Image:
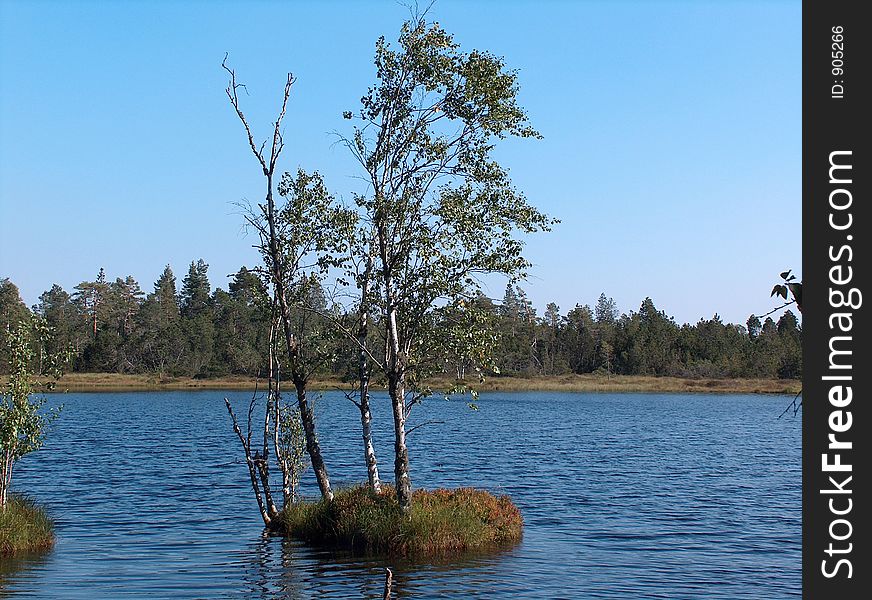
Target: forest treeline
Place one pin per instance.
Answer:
(190, 330)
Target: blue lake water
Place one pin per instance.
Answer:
(623, 496)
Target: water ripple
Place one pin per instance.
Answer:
(623, 495)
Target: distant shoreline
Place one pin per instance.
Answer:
(118, 382)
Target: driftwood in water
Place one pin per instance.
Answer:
(389, 580)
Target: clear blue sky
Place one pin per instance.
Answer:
(672, 148)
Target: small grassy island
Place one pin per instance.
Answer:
(24, 527)
(440, 523)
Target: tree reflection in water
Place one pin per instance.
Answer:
(290, 569)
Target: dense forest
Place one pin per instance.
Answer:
(114, 326)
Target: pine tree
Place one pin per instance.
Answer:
(166, 297)
(195, 290)
(606, 311)
(56, 307)
(90, 298)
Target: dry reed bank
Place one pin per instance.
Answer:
(118, 382)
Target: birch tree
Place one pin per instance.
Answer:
(357, 268)
(443, 211)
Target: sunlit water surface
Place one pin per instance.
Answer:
(623, 496)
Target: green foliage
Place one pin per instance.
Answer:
(292, 445)
(425, 139)
(12, 312)
(59, 312)
(460, 338)
(157, 342)
(790, 286)
(24, 527)
(484, 338)
(90, 298)
(196, 291)
(310, 234)
(241, 325)
(440, 210)
(643, 342)
(754, 326)
(606, 310)
(441, 522)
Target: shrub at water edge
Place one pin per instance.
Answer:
(24, 527)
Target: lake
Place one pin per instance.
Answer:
(623, 496)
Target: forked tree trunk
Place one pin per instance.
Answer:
(292, 345)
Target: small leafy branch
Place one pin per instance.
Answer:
(292, 448)
(793, 288)
(789, 286)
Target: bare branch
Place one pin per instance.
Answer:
(419, 425)
(249, 461)
(350, 396)
(793, 405)
(776, 309)
(234, 100)
(278, 142)
(344, 330)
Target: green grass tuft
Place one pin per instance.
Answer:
(441, 523)
(24, 527)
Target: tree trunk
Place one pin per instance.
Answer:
(397, 390)
(287, 480)
(368, 449)
(395, 368)
(5, 479)
(263, 467)
(312, 445)
(292, 345)
(363, 375)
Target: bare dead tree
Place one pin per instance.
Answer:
(279, 272)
